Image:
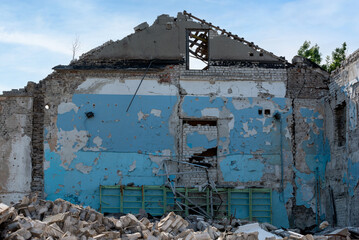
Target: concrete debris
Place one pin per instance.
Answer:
(323, 225)
(59, 219)
(254, 227)
(5, 213)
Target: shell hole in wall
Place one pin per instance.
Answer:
(260, 111)
(266, 111)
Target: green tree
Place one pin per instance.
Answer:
(331, 63)
(338, 56)
(311, 53)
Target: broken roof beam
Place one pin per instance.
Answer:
(229, 34)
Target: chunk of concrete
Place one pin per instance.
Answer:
(141, 27)
(254, 227)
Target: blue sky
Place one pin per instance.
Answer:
(38, 35)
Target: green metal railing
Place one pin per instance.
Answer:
(251, 203)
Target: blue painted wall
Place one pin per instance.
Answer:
(129, 139)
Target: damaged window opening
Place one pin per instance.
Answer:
(340, 124)
(267, 111)
(199, 158)
(197, 54)
(207, 155)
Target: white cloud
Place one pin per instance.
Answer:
(38, 40)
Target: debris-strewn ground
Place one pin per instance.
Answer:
(33, 218)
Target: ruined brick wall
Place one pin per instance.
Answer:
(306, 86)
(342, 175)
(250, 124)
(37, 155)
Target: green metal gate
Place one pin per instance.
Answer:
(251, 203)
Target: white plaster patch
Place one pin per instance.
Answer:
(231, 122)
(132, 166)
(126, 87)
(69, 143)
(19, 179)
(46, 165)
(267, 129)
(210, 112)
(19, 160)
(98, 141)
(83, 168)
(275, 88)
(268, 143)
(287, 134)
(164, 154)
(141, 115)
(263, 120)
(350, 86)
(156, 112)
(66, 107)
(240, 104)
(248, 132)
(239, 88)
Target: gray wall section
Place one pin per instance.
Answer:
(15, 147)
(166, 39)
(342, 174)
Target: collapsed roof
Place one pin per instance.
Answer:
(173, 40)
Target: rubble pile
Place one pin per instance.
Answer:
(33, 218)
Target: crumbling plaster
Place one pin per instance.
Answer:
(15, 147)
(342, 176)
(116, 147)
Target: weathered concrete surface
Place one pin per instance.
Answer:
(166, 40)
(342, 175)
(254, 146)
(15, 147)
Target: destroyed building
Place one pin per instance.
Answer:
(132, 125)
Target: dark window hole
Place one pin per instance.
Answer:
(200, 122)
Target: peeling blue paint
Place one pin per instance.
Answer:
(241, 168)
(108, 168)
(196, 139)
(119, 143)
(279, 199)
(305, 194)
(316, 148)
(121, 131)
